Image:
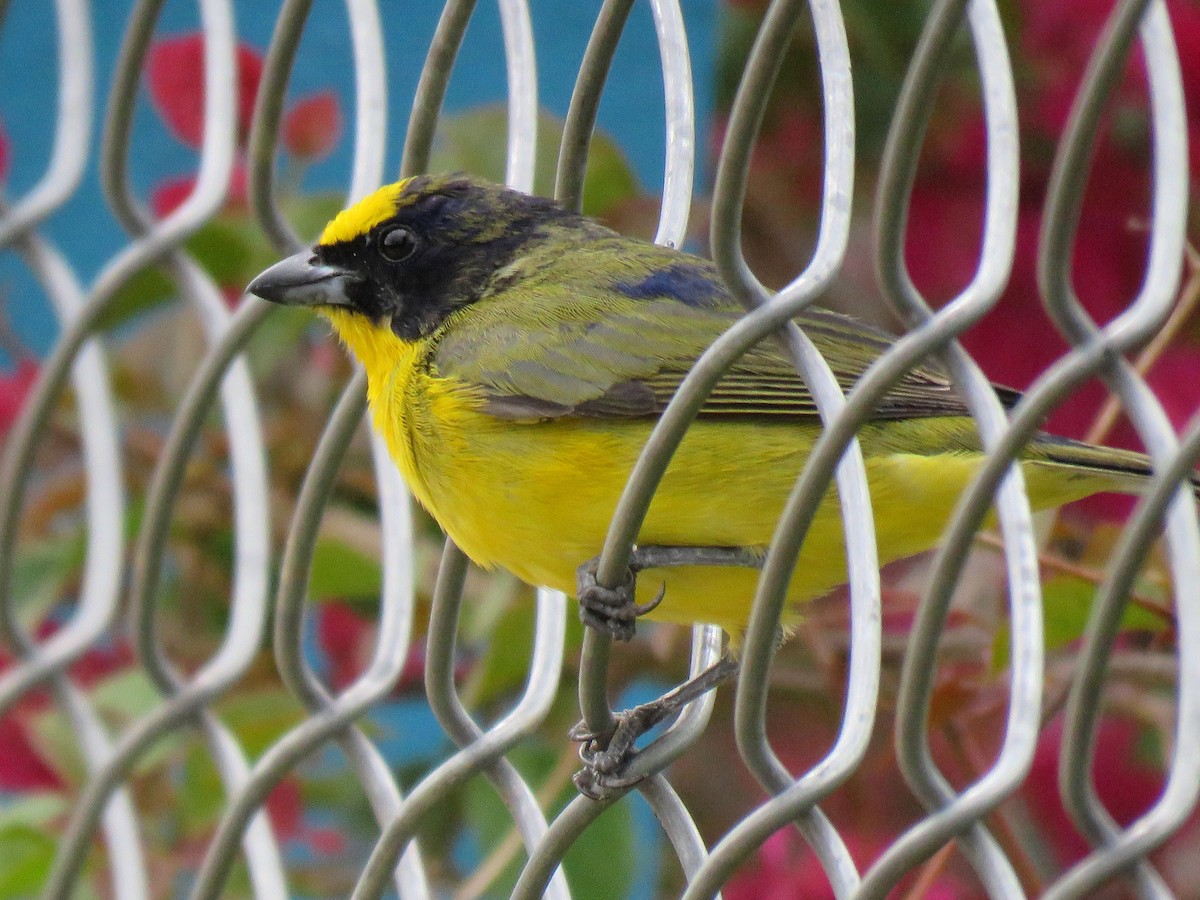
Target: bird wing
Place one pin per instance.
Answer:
(585, 345)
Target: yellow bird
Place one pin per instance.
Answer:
(517, 356)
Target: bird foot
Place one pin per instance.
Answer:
(613, 611)
(607, 753)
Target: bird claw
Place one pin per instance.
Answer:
(613, 611)
(599, 787)
(581, 734)
(606, 754)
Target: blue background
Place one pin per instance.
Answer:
(631, 110)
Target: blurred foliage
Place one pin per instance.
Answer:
(231, 248)
(1049, 44)
(608, 183)
(320, 811)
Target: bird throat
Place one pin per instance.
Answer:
(373, 344)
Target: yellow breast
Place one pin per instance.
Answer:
(536, 498)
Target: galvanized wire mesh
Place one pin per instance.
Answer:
(223, 381)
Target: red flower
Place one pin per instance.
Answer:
(1126, 784)
(175, 74)
(4, 155)
(326, 841)
(345, 637)
(14, 385)
(785, 869)
(781, 869)
(312, 127)
(21, 768)
(169, 195)
(1016, 341)
(1173, 378)
(285, 807)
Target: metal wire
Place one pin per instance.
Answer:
(248, 602)
(224, 381)
(331, 716)
(105, 503)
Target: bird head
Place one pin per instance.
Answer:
(404, 258)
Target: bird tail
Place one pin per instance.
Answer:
(1127, 471)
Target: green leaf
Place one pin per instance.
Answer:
(127, 695)
(231, 248)
(1068, 603)
(122, 697)
(56, 743)
(25, 857)
(488, 818)
(476, 141)
(258, 718)
(608, 181)
(310, 214)
(33, 810)
(200, 794)
(738, 28)
(277, 341)
(340, 571)
(342, 792)
(502, 620)
(42, 570)
(505, 663)
(600, 864)
(145, 291)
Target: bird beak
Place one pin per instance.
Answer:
(301, 281)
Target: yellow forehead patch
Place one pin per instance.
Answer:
(357, 220)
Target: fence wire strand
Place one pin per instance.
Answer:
(223, 382)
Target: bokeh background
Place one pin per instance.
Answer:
(155, 346)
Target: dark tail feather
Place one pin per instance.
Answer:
(1128, 468)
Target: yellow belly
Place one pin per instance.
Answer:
(536, 498)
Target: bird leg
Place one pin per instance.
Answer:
(605, 754)
(614, 611)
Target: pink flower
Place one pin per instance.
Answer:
(326, 841)
(167, 196)
(1127, 785)
(14, 386)
(1016, 341)
(313, 125)
(175, 75)
(21, 767)
(344, 635)
(285, 807)
(785, 868)
(4, 155)
(781, 869)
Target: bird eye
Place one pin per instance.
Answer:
(397, 244)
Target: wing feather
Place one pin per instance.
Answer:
(575, 341)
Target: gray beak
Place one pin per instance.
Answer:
(301, 281)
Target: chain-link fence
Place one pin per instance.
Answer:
(119, 587)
